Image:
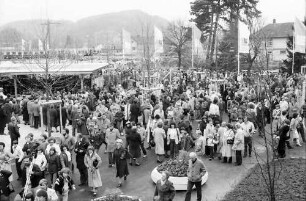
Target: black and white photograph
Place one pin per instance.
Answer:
(152, 100)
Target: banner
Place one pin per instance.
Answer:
(196, 42)
(40, 45)
(299, 36)
(23, 42)
(126, 42)
(244, 34)
(158, 41)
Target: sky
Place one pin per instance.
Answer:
(12, 10)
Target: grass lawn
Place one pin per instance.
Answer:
(290, 186)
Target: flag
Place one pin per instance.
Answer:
(126, 42)
(158, 41)
(40, 45)
(197, 46)
(244, 35)
(23, 45)
(299, 36)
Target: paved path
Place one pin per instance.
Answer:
(222, 177)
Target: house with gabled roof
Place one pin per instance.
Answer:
(277, 35)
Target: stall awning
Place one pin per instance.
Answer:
(10, 68)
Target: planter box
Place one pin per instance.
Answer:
(116, 198)
(179, 183)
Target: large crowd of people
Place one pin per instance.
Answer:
(214, 119)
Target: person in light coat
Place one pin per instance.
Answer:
(221, 132)
(110, 138)
(93, 161)
(159, 134)
(227, 148)
(214, 108)
(200, 143)
(238, 145)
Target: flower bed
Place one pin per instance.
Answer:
(117, 198)
(178, 173)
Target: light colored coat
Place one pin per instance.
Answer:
(159, 135)
(94, 178)
(227, 148)
(110, 139)
(239, 140)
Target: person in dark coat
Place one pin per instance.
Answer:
(13, 130)
(82, 127)
(80, 150)
(44, 116)
(164, 190)
(7, 109)
(2, 120)
(54, 165)
(24, 109)
(120, 157)
(4, 183)
(37, 174)
(64, 116)
(283, 136)
(135, 111)
(134, 143)
(53, 118)
(260, 119)
(59, 185)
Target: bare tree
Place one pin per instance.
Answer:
(178, 35)
(147, 39)
(269, 165)
(50, 65)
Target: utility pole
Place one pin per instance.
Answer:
(48, 34)
(47, 84)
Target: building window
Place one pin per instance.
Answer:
(270, 43)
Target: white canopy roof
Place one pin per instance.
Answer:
(10, 68)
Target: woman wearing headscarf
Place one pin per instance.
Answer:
(120, 158)
(93, 161)
(159, 135)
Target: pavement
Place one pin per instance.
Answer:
(222, 177)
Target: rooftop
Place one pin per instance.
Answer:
(278, 30)
(10, 68)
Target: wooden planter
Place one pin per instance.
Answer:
(180, 183)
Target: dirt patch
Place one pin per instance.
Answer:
(290, 185)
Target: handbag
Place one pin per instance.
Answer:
(230, 141)
(152, 143)
(95, 163)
